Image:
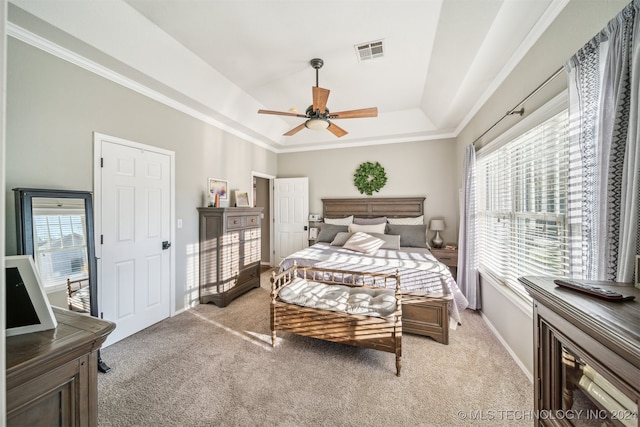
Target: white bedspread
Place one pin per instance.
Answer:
(420, 272)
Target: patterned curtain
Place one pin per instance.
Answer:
(468, 278)
(604, 87)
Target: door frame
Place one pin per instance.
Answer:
(97, 204)
(271, 235)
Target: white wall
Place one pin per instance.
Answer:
(53, 108)
(413, 169)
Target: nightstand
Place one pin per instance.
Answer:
(448, 257)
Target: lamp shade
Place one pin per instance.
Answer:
(436, 225)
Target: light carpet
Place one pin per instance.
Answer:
(212, 366)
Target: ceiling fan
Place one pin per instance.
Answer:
(318, 115)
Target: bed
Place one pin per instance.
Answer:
(432, 301)
(325, 304)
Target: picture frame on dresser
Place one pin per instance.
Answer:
(27, 306)
(219, 187)
(242, 199)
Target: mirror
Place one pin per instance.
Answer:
(56, 228)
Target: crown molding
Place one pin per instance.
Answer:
(28, 37)
(19, 33)
(541, 26)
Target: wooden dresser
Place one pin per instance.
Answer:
(230, 252)
(52, 375)
(583, 346)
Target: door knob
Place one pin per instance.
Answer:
(166, 245)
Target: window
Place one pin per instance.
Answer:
(60, 245)
(522, 193)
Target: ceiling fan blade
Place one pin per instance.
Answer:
(280, 113)
(355, 114)
(320, 97)
(294, 130)
(336, 130)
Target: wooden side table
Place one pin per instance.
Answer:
(448, 257)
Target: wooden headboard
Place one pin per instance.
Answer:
(370, 207)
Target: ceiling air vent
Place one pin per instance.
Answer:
(370, 50)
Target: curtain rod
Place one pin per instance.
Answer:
(520, 111)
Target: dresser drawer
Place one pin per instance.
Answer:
(251, 221)
(447, 257)
(249, 273)
(235, 222)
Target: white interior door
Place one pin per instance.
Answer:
(291, 216)
(135, 274)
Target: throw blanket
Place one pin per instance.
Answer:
(420, 272)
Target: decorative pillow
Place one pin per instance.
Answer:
(328, 232)
(390, 241)
(339, 221)
(371, 228)
(341, 238)
(368, 221)
(416, 220)
(363, 242)
(413, 236)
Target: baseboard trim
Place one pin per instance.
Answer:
(523, 368)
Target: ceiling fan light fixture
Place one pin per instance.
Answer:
(317, 124)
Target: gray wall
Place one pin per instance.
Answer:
(577, 24)
(53, 108)
(424, 168)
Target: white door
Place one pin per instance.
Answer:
(291, 216)
(135, 224)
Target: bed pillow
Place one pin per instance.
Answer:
(369, 221)
(328, 232)
(370, 228)
(390, 241)
(412, 236)
(339, 221)
(416, 220)
(341, 238)
(364, 243)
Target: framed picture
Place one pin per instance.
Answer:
(242, 198)
(219, 187)
(27, 306)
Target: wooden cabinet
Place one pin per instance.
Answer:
(448, 257)
(586, 355)
(52, 375)
(230, 253)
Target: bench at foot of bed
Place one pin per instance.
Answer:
(354, 324)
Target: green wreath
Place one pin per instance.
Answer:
(369, 177)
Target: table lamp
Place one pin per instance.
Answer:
(437, 225)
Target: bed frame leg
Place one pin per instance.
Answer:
(398, 365)
(273, 338)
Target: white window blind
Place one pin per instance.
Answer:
(60, 245)
(522, 191)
